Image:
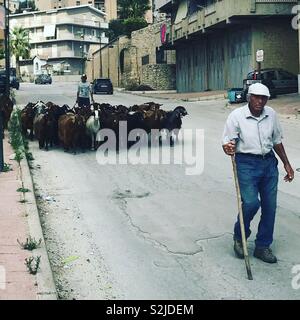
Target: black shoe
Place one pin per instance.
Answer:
(238, 248)
(265, 254)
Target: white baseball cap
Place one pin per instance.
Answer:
(259, 89)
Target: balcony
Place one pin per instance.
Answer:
(36, 21)
(221, 12)
(66, 36)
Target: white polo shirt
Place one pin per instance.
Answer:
(256, 135)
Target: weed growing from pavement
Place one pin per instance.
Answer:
(24, 190)
(16, 139)
(30, 244)
(29, 156)
(6, 167)
(33, 264)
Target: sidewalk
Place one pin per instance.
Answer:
(185, 96)
(15, 281)
(288, 104)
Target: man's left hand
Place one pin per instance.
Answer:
(290, 173)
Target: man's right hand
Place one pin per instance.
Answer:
(229, 148)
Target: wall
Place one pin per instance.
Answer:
(159, 77)
(221, 60)
(214, 62)
(280, 44)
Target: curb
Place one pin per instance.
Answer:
(149, 95)
(45, 281)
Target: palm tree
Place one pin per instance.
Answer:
(19, 45)
(133, 8)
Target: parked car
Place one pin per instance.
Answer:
(102, 85)
(43, 79)
(277, 80)
(14, 82)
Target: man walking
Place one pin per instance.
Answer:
(84, 92)
(251, 133)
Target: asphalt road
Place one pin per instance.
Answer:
(151, 231)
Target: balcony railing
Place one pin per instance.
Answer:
(34, 22)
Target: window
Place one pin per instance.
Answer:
(160, 56)
(270, 75)
(284, 75)
(145, 60)
(77, 3)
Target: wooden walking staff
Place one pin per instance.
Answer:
(241, 219)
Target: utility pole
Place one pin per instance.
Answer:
(7, 66)
(6, 40)
(100, 53)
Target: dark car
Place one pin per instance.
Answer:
(43, 79)
(277, 80)
(102, 85)
(14, 82)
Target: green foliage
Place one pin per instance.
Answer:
(133, 24)
(33, 264)
(23, 190)
(6, 167)
(133, 8)
(19, 45)
(30, 244)
(16, 139)
(116, 29)
(29, 156)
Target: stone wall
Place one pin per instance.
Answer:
(159, 76)
(122, 61)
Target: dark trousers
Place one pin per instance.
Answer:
(258, 179)
(83, 102)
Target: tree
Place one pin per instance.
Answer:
(19, 46)
(28, 5)
(133, 8)
(133, 24)
(116, 29)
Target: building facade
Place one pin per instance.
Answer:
(216, 41)
(13, 5)
(64, 35)
(107, 6)
(135, 61)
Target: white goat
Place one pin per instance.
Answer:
(92, 127)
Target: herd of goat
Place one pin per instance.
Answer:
(76, 127)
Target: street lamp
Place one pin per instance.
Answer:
(82, 53)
